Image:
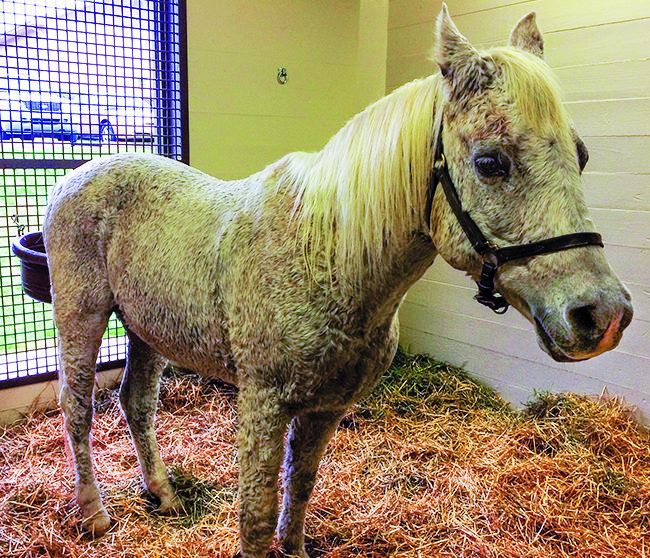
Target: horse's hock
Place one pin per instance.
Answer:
(34, 273)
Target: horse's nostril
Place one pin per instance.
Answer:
(584, 320)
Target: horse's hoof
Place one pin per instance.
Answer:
(172, 506)
(97, 524)
(272, 554)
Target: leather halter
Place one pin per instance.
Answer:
(492, 256)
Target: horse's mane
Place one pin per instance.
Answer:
(369, 182)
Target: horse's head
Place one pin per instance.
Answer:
(516, 161)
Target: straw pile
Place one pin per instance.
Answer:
(431, 464)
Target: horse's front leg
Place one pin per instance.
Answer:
(308, 437)
(261, 431)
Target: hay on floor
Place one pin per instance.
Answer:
(431, 464)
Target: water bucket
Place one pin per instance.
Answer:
(34, 272)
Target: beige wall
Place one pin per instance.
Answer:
(240, 118)
(600, 51)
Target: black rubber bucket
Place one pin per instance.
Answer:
(34, 272)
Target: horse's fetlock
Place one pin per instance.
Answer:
(95, 517)
(170, 505)
(164, 491)
(87, 494)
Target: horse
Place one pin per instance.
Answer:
(288, 283)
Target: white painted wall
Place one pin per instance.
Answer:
(601, 54)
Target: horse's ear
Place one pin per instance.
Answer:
(527, 36)
(460, 63)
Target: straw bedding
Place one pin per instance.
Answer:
(431, 464)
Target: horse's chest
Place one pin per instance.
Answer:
(343, 376)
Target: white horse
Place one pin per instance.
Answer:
(288, 283)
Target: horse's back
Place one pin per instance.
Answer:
(126, 198)
(113, 183)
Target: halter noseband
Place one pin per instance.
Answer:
(492, 256)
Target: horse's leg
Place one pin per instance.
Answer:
(138, 399)
(80, 336)
(308, 437)
(261, 433)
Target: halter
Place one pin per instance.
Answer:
(492, 256)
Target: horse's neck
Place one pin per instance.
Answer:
(359, 203)
(404, 263)
(374, 293)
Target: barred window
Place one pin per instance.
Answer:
(78, 79)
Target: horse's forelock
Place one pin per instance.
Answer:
(531, 87)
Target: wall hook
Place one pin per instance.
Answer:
(282, 76)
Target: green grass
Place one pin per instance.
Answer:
(26, 324)
(416, 384)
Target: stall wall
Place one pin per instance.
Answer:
(601, 54)
(241, 118)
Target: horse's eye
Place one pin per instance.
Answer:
(491, 165)
(583, 154)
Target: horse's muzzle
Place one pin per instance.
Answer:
(585, 331)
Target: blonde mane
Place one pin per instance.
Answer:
(368, 184)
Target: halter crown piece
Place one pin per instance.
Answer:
(494, 257)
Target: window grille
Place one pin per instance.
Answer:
(78, 79)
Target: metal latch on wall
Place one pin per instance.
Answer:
(21, 226)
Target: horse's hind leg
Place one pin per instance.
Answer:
(80, 335)
(138, 399)
(308, 436)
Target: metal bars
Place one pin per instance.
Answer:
(78, 79)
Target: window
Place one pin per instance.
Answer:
(78, 79)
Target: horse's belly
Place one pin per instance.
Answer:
(182, 338)
(174, 305)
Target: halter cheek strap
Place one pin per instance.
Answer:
(492, 256)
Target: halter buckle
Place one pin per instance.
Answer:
(486, 295)
(493, 301)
